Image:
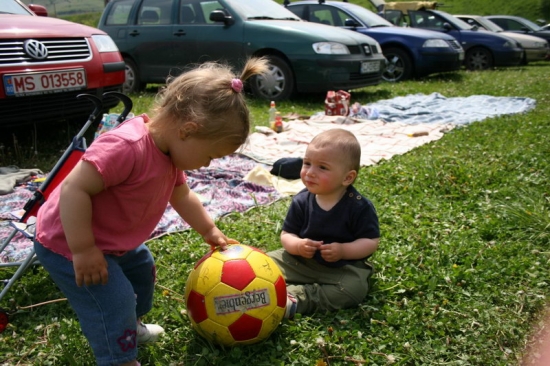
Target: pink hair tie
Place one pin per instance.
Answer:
(237, 85)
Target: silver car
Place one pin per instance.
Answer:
(536, 48)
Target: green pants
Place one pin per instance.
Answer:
(321, 288)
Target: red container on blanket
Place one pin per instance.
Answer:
(337, 103)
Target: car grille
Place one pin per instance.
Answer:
(454, 44)
(52, 107)
(12, 52)
(369, 49)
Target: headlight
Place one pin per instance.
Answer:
(435, 43)
(378, 48)
(330, 48)
(104, 43)
(508, 44)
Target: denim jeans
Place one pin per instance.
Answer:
(108, 313)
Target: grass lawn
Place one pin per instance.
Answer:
(461, 274)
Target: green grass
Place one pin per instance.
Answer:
(461, 273)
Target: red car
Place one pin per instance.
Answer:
(46, 62)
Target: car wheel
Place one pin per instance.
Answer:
(277, 84)
(478, 58)
(399, 66)
(132, 84)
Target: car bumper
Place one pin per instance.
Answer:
(433, 62)
(512, 57)
(536, 54)
(314, 75)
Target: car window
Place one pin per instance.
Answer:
(321, 14)
(473, 22)
(508, 24)
(209, 6)
(120, 13)
(426, 20)
(394, 16)
(513, 25)
(155, 12)
(9, 7)
(187, 14)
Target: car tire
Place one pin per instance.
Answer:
(277, 84)
(478, 58)
(132, 83)
(399, 66)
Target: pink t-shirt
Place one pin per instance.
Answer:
(138, 182)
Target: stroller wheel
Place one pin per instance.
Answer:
(3, 320)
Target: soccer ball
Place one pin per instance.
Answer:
(235, 296)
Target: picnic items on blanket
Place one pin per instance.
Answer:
(337, 103)
(363, 112)
(278, 124)
(12, 175)
(111, 120)
(272, 111)
(288, 168)
(285, 187)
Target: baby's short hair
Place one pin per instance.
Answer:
(342, 141)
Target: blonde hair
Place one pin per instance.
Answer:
(208, 97)
(343, 142)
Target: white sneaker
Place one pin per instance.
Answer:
(148, 333)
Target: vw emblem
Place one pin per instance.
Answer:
(35, 49)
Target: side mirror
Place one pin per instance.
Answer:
(351, 23)
(447, 27)
(39, 10)
(221, 16)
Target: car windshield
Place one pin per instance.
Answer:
(531, 25)
(369, 18)
(265, 9)
(493, 27)
(12, 7)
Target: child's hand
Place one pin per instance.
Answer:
(332, 252)
(215, 238)
(90, 267)
(308, 247)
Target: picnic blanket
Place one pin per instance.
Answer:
(378, 139)
(436, 108)
(221, 188)
(404, 123)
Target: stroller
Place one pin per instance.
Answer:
(64, 165)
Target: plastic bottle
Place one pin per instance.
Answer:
(272, 111)
(278, 124)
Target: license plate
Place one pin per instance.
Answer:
(18, 85)
(370, 66)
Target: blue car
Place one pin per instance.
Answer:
(411, 53)
(484, 50)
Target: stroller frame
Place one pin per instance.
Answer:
(64, 165)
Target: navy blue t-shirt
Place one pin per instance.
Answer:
(353, 217)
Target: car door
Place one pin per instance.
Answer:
(149, 38)
(201, 39)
